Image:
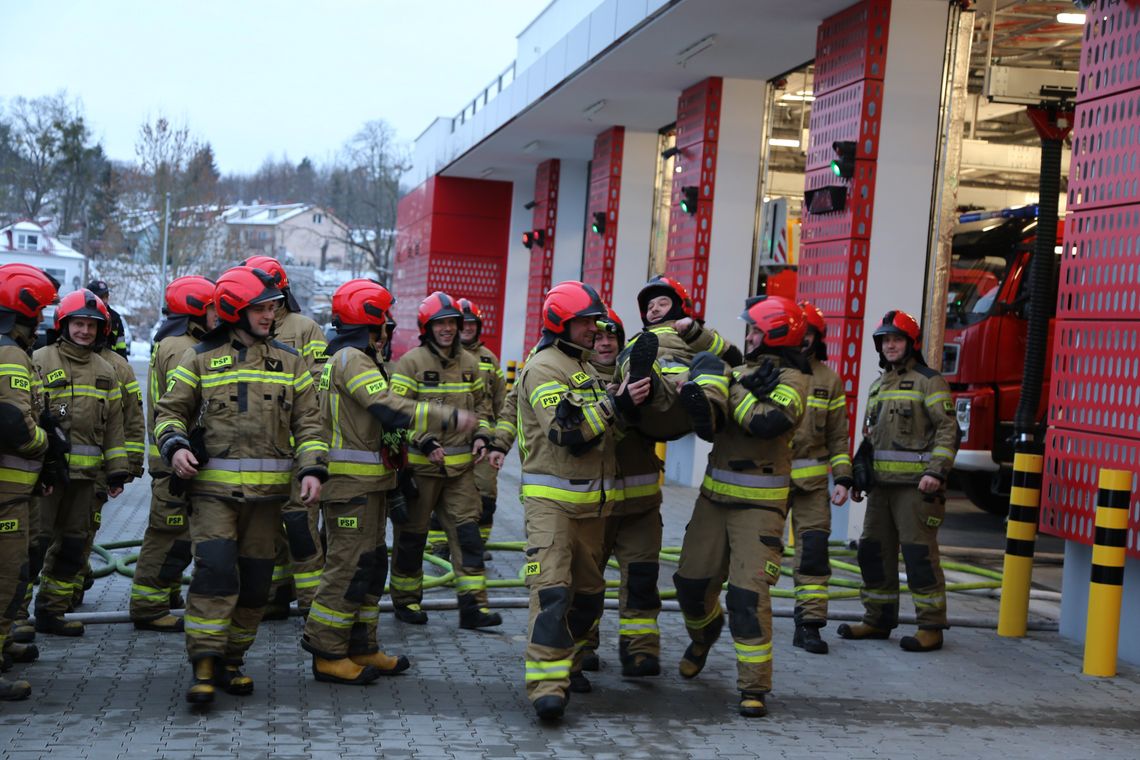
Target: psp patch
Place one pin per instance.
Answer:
(771, 568)
(580, 378)
(533, 568)
(549, 400)
(933, 522)
(175, 521)
(221, 362)
(376, 386)
(54, 376)
(348, 523)
(20, 383)
(9, 526)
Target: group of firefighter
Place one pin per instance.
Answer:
(277, 458)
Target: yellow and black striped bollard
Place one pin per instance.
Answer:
(1020, 540)
(512, 370)
(1102, 633)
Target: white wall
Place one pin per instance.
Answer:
(635, 222)
(518, 270)
(570, 229)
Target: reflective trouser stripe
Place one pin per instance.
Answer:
(282, 573)
(467, 584)
(206, 626)
(811, 592)
(929, 601)
(323, 615)
(307, 580)
(241, 636)
(882, 597)
(369, 615)
(754, 652)
(149, 593)
(554, 670)
(405, 583)
(57, 587)
(705, 621)
(637, 626)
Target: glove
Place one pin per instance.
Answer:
(198, 446)
(863, 467)
(763, 380)
(407, 485)
(397, 507)
(55, 471)
(568, 413)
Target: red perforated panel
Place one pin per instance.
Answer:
(1069, 484)
(698, 113)
(852, 45)
(1105, 166)
(1110, 51)
(1095, 368)
(1099, 272)
(480, 279)
(605, 195)
(852, 113)
(833, 276)
(545, 217)
(854, 221)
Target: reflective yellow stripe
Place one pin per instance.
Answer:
(743, 408)
(405, 583)
(244, 478)
(754, 652)
(555, 670)
(809, 472)
(185, 375)
(901, 395)
(354, 468)
(547, 389)
(365, 378)
(745, 492)
(704, 622)
(716, 382)
(937, 397)
(883, 466)
(942, 451)
(320, 446)
(449, 460)
(231, 377)
(560, 494)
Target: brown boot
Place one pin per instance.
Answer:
(924, 640)
(862, 631)
(166, 624)
(388, 665)
(201, 692)
(344, 671)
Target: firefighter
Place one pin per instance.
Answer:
(117, 340)
(911, 424)
(165, 552)
(82, 390)
(566, 418)
(632, 534)
(24, 292)
(357, 405)
(671, 336)
(299, 556)
(738, 522)
(441, 372)
(820, 446)
(238, 419)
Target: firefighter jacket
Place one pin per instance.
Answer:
(493, 380)
(134, 421)
(675, 351)
(304, 336)
(82, 390)
(256, 408)
(751, 459)
(639, 469)
(449, 378)
(164, 357)
(359, 409)
(117, 341)
(567, 449)
(821, 440)
(506, 425)
(911, 423)
(22, 441)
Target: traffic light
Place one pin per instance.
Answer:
(689, 194)
(532, 238)
(844, 165)
(599, 225)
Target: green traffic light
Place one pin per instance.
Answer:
(838, 172)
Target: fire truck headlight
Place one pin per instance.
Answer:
(962, 407)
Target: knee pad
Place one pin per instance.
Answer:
(641, 586)
(37, 548)
(470, 545)
(362, 579)
(550, 628)
(175, 562)
(380, 573)
(256, 577)
(870, 556)
(215, 568)
(813, 553)
(691, 595)
(72, 556)
(489, 507)
(17, 601)
(302, 545)
(919, 570)
(410, 553)
(584, 610)
(742, 618)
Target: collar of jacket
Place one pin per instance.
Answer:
(74, 351)
(475, 346)
(785, 357)
(180, 324)
(907, 364)
(573, 350)
(452, 353)
(23, 334)
(605, 371)
(355, 336)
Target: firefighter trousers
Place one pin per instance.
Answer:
(743, 545)
(14, 574)
(346, 607)
(66, 518)
(456, 502)
(902, 517)
(567, 590)
(164, 555)
(634, 540)
(298, 556)
(233, 567)
(487, 483)
(86, 576)
(811, 521)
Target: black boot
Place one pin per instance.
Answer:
(479, 617)
(201, 692)
(410, 613)
(752, 704)
(695, 404)
(640, 666)
(808, 639)
(579, 684)
(550, 707)
(642, 354)
(57, 626)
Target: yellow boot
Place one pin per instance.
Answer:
(924, 640)
(201, 692)
(388, 665)
(343, 670)
(862, 631)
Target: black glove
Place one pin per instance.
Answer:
(407, 484)
(397, 507)
(568, 414)
(55, 471)
(198, 447)
(763, 380)
(863, 467)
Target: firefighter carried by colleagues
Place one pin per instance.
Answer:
(299, 557)
(738, 521)
(632, 533)
(566, 421)
(912, 426)
(820, 446)
(239, 420)
(117, 339)
(439, 371)
(82, 391)
(24, 292)
(165, 552)
(663, 350)
(359, 409)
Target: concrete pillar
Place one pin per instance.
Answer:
(573, 186)
(518, 271)
(635, 212)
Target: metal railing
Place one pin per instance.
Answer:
(488, 93)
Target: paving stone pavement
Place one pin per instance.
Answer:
(119, 693)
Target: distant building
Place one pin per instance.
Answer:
(29, 243)
(295, 233)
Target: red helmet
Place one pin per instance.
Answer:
(189, 295)
(270, 265)
(25, 289)
(814, 318)
(781, 321)
(568, 300)
(241, 287)
(666, 286)
(471, 312)
(898, 323)
(362, 302)
(82, 303)
(438, 305)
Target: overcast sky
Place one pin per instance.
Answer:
(257, 78)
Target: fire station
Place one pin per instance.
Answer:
(972, 163)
